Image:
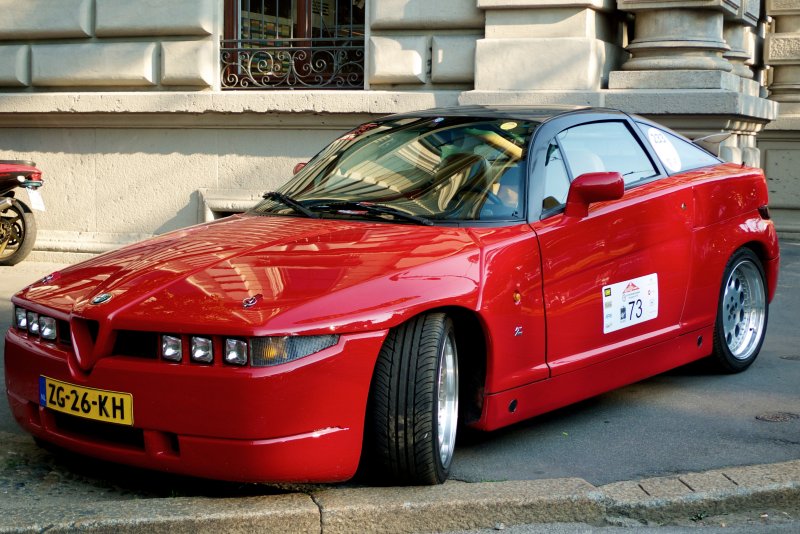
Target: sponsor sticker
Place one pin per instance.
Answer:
(665, 150)
(630, 302)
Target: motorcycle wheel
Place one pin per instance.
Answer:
(17, 233)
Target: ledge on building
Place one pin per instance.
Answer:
(218, 203)
(210, 109)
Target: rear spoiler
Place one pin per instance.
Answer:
(711, 143)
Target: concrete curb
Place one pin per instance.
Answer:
(452, 506)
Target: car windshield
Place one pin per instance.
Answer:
(414, 170)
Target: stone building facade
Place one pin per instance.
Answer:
(147, 116)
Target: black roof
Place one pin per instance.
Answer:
(534, 113)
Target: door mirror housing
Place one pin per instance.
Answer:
(592, 187)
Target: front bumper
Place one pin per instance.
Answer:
(301, 421)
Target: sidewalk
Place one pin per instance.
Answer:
(37, 501)
(39, 491)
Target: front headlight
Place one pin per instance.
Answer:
(171, 349)
(202, 350)
(267, 351)
(21, 318)
(235, 351)
(33, 323)
(47, 328)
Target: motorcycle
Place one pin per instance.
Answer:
(17, 225)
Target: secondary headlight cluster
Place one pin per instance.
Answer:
(35, 324)
(260, 351)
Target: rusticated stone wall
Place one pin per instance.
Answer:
(108, 44)
(423, 44)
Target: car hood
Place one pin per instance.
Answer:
(267, 275)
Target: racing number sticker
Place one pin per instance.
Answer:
(665, 150)
(630, 302)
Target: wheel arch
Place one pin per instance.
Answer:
(762, 252)
(396, 439)
(471, 343)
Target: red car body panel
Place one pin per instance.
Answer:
(534, 289)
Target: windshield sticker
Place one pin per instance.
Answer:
(630, 302)
(508, 125)
(665, 150)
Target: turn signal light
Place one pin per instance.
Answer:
(268, 351)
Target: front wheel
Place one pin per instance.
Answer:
(414, 401)
(17, 233)
(742, 313)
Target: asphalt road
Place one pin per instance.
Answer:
(685, 420)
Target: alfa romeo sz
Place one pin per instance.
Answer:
(454, 267)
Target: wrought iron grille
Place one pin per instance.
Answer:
(304, 44)
(293, 63)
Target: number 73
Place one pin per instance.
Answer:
(635, 309)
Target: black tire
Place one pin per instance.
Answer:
(18, 232)
(742, 313)
(403, 427)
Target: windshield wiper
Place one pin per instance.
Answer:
(292, 203)
(374, 209)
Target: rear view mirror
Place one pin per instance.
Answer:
(592, 187)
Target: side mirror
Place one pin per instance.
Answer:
(299, 167)
(592, 187)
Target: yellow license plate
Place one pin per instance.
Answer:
(90, 403)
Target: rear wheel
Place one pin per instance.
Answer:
(742, 313)
(17, 233)
(414, 401)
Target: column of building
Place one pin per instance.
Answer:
(780, 140)
(543, 52)
(690, 66)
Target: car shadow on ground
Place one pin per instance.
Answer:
(137, 483)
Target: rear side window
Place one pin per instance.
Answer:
(605, 147)
(676, 154)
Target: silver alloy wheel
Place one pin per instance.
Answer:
(743, 310)
(448, 400)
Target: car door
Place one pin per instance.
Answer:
(613, 281)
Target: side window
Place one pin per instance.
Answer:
(556, 181)
(606, 147)
(675, 153)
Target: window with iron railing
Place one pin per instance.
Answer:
(302, 44)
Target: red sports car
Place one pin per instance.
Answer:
(468, 266)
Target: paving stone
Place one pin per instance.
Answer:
(627, 490)
(458, 505)
(708, 482)
(664, 487)
(765, 475)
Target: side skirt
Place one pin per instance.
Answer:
(514, 405)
